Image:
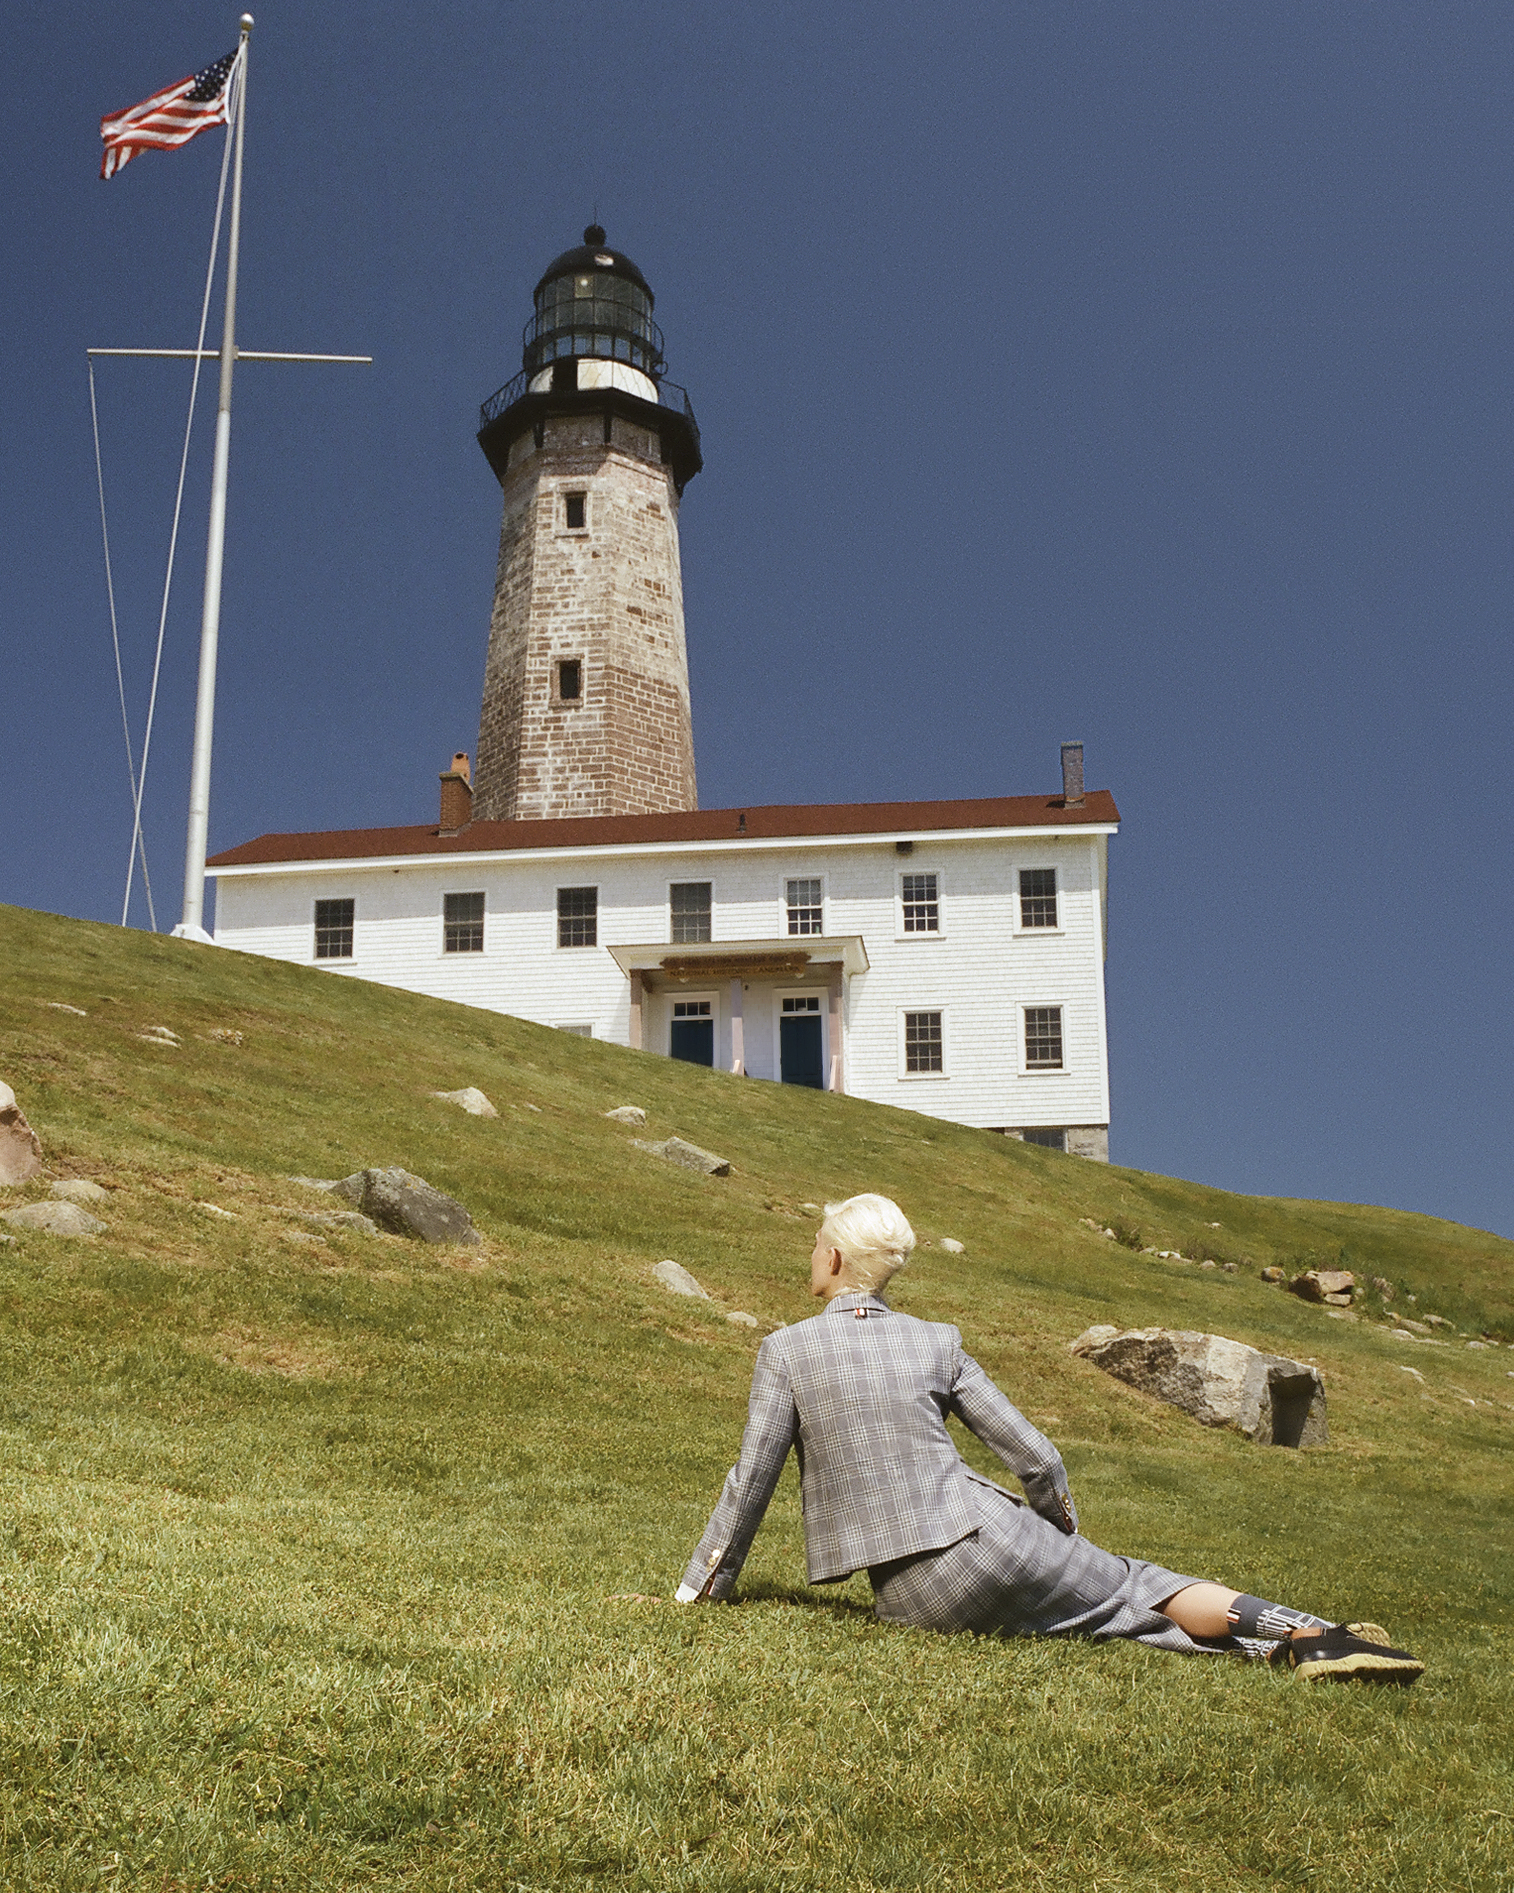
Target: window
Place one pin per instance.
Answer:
(333, 929)
(575, 506)
(577, 916)
(570, 680)
(802, 899)
(1047, 1139)
(804, 1002)
(577, 1031)
(1038, 897)
(922, 1041)
(691, 1009)
(921, 903)
(462, 923)
(689, 909)
(1043, 1038)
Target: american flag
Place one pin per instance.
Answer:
(170, 117)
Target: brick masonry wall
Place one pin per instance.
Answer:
(609, 596)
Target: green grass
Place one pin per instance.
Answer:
(310, 1552)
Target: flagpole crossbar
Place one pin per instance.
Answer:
(214, 355)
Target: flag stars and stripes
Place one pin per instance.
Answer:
(170, 117)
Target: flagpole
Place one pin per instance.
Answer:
(192, 926)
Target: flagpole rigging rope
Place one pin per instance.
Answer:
(115, 638)
(234, 105)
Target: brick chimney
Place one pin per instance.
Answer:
(1072, 775)
(457, 794)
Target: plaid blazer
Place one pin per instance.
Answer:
(862, 1395)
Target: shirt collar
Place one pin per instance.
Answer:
(855, 1299)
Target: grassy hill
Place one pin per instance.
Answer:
(313, 1550)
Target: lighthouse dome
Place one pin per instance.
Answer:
(593, 301)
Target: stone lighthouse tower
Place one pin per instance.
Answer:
(586, 685)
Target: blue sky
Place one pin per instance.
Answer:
(1133, 373)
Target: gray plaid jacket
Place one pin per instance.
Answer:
(862, 1394)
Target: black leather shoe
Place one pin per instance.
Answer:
(1347, 1653)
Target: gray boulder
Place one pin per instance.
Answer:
(80, 1190)
(469, 1099)
(631, 1114)
(20, 1146)
(688, 1156)
(678, 1281)
(54, 1219)
(410, 1206)
(1272, 1400)
(351, 1219)
(738, 1318)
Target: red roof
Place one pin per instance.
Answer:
(706, 824)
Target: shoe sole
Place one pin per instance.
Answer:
(1367, 1666)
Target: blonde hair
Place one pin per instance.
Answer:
(874, 1238)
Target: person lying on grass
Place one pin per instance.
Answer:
(863, 1393)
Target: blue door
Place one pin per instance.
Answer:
(799, 1046)
(692, 1037)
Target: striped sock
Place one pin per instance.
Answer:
(1254, 1617)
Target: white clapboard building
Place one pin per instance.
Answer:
(947, 957)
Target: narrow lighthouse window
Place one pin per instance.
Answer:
(574, 507)
(570, 680)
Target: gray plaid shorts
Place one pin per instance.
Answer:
(1018, 1576)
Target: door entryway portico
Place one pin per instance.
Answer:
(780, 1007)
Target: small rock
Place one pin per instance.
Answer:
(1231, 1268)
(410, 1206)
(1481, 1346)
(57, 1005)
(79, 1190)
(20, 1146)
(224, 1035)
(303, 1235)
(951, 1245)
(214, 1209)
(1342, 1314)
(1438, 1321)
(631, 1114)
(469, 1099)
(1272, 1274)
(1320, 1284)
(741, 1320)
(532, 1107)
(1213, 1225)
(1107, 1232)
(54, 1219)
(688, 1156)
(1209, 1264)
(678, 1281)
(1414, 1327)
(159, 1035)
(351, 1219)
(1337, 1301)
(317, 1183)
(1384, 1290)
(1409, 1370)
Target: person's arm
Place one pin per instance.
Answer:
(770, 1431)
(1004, 1430)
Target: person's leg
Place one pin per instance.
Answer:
(1210, 1610)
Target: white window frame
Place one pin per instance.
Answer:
(899, 933)
(1032, 1005)
(332, 959)
(470, 955)
(924, 1077)
(668, 907)
(713, 999)
(562, 887)
(822, 993)
(1040, 933)
(581, 1029)
(803, 874)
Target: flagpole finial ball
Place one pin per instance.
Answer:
(246, 24)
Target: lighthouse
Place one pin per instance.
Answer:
(586, 682)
